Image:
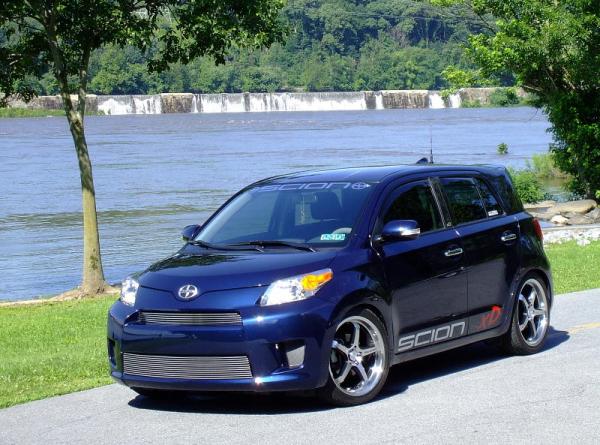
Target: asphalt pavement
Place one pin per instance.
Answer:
(470, 395)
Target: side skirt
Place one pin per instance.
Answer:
(446, 346)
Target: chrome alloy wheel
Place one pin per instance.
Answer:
(357, 356)
(533, 312)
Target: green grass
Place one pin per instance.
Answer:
(25, 112)
(574, 267)
(49, 349)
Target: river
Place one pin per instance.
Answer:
(154, 174)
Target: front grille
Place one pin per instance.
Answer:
(191, 318)
(187, 367)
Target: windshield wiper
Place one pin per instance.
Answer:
(276, 243)
(198, 242)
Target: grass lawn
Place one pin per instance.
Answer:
(49, 349)
(52, 348)
(574, 267)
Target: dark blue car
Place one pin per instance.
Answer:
(323, 280)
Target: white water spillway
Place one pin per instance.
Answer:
(269, 102)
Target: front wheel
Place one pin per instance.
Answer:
(530, 320)
(359, 360)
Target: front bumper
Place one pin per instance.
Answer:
(287, 346)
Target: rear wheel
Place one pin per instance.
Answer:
(530, 320)
(359, 360)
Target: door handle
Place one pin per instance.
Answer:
(508, 236)
(453, 252)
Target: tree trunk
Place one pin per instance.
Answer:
(93, 275)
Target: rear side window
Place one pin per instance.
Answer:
(416, 203)
(463, 199)
(492, 207)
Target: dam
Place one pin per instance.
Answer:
(268, 102)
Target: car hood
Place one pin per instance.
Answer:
(224, 270)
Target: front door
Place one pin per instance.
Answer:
(425, 275)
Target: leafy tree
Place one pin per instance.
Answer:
(37, 36)
(553, 49)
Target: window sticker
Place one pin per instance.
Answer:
(493, 213)
(333, 237)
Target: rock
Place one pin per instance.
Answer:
(539, 205)
(578, 220)
(544, 216)
(559, 220)
(581, 207)
(594, 215)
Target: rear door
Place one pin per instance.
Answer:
(425, 275)
(490, 239)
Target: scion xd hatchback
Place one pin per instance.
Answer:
(323, 280)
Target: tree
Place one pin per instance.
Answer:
(553, 49)
(61, 35)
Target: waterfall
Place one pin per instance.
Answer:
(378, 100)
(455, 100)
(436, 101)
(211, 103)
(115, 105)
(147, 104)
(319, 101)
(138, 104)
(233, 103)
(266, 102)
(260, 102)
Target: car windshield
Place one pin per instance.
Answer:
(315, 214)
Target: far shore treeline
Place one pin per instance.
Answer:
(330, 45)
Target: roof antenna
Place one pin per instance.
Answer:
(430, 146)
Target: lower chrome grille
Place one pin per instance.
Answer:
(187, 367)
(191, 318)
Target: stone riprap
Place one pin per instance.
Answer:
(572, 213)
(583, 236)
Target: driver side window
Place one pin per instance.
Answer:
(416, 203)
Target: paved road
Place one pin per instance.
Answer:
(471, 395)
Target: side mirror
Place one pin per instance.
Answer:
(400, 229)
(189, 232)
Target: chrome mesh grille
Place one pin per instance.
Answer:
(187, 367)
(191, 318)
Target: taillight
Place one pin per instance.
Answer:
(538, 229)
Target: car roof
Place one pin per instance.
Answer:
(377, 173)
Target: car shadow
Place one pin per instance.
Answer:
(400, 378)
(467, 357)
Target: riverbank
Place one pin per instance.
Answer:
(268, 102)
(28, 112)
(54, 348)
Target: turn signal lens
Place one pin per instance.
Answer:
(295, 288)
(312, 282)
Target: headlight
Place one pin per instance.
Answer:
(129, 288)
(295, 288)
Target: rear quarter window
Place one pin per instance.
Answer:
(492, 206)
(463, 199)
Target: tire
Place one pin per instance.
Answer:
(359, 360)
(530, 318)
